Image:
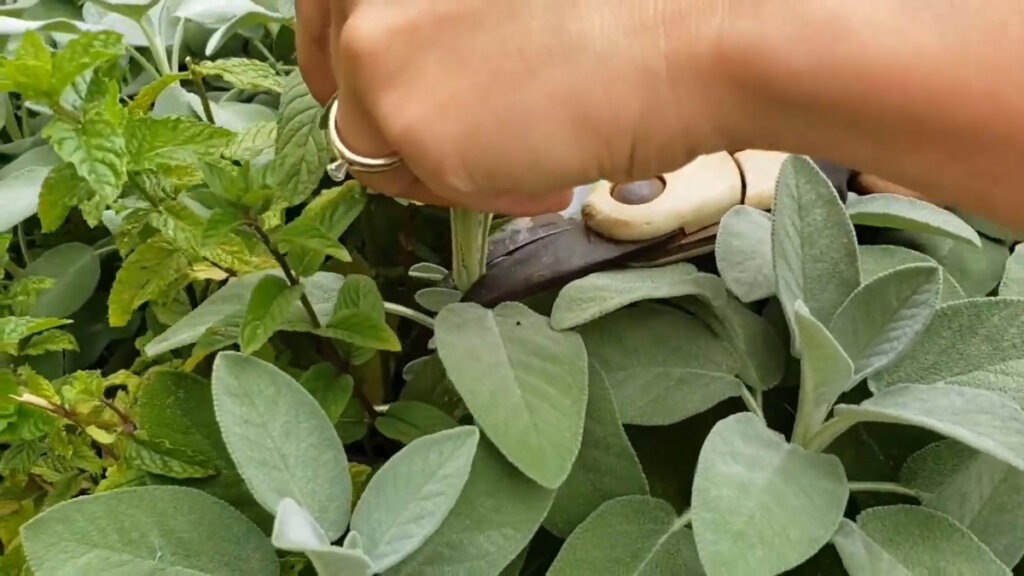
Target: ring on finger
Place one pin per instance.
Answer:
(350, 161)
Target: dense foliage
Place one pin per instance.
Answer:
(214, 360)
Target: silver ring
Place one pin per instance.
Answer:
(348, 160)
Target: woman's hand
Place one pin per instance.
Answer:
(505, 106)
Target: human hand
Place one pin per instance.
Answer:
(506, 106)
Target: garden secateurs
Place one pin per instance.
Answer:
(653, 222)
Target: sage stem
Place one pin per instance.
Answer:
(156, 45)
(470, 231)
(885, 487)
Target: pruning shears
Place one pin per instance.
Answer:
(646, 223)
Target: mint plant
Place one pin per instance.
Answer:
(215, 361)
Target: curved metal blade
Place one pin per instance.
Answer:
(531, 255)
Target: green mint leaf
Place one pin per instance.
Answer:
(299, 457)
(148, 458)
(144, 275)
(331, 389)
(358, 316)
(62, 190)
(525, 383)
(412, 493)
(243, 73)
(606, 467)
(743, 253)
(813, 242)
(902, 212)
(302, 150)
(188, 532)
(271, 301)
(51, 341)
(922, 541)
(663, 365)
(308, 235)
(254, 143)
(96, 146)
(15, 328)
(406, 421)
(82, 53)
(30, 72)
(748, 482)
(154, 143)
(146, 96)
(332, 211)
(882, 317)
(635, 535)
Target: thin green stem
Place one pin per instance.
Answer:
(101, 252)
(884, 487)
(13, 269)
(266, 53)
(66, 113)
(684, 520)
(26, 130)
(409, 314)
(179, 37)
(23, 245)
(156, 45)
(197, 79)
(11, 121)
(752, 404)
(330, 347)
(135, 55)
(827, 433)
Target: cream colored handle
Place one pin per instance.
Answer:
(695, 197)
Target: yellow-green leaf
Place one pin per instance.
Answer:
(62, 190)
(172, 140)
(145, 274)
(243, 73)
(81, 53)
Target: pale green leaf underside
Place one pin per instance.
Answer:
(928, 542)
(174, 531)
(525, 383)
(281, 441)
(497, 513)
(876, 260)
(813, 242)
(825, 371)
(882, 317)
(861, 555)
(980, 492)
(412, 493)
(750, 481)
(743, 252)
(606, 467)
(602, 293)
(1012, 284)
(974, 343)
(629, 536)
(662, 365)
(896, 211)
(986, 421)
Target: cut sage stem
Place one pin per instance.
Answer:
(470, 230)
